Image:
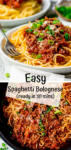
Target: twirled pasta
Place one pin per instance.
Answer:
(19, 41)
(27, 8)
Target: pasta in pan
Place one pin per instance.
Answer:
(38, 126)
(45, 43)
(26, 9)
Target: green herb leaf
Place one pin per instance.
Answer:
(43, 134)
(61, 96)
(67, 36)
(56, 21)
(51, 32)
(53, 117)
(25, 108)
(48, 27)
(51, 42)
(7, 75)
(42, 127)
(40, 122)
(29, 30)
(48, 32)
(17, 112)
(4, 31)
(10, 132)
(34, 26)
(28, 102)
(66, 102)
(38, 25)
(40, 39)
(38, 56)
(3, 144)
(61, 30)
(41, 34)
(64, 11)
(48, 110)
(42, 20)
(34, 55)
(58, 112)
(35, 32)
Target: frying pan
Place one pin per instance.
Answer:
(5, 130)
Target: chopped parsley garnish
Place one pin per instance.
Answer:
(28, 102)
(51, 32)
(42, 34)
(48, 110)
(35, 32)
(37, 24)
(4, 31)
(7, 75)
(25, 108)
(66, 102)
(33, 55)
(40, 39)
(43, 134)
(10, 132)
(67, 36)
(34, 26)
(48, 32)
(29, 30)
(53, 117)
(61, 96)
(51, 42)
(48, 27)
(40, 122)
(38, 56)
(58, 112)
(42, 20)
(56, 21)
(17, 112)
(42, 127)
(4, 147)
(3, 144)
(61, 30)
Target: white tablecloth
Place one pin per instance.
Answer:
(1, 141)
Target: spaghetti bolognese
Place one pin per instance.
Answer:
(39, 126)
(45, 43)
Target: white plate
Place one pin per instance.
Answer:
(62, 70)
(15, 22)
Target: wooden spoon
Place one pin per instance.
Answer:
(63, 3)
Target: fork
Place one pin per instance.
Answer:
(9, 47)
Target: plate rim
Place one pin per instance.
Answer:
(27, 18)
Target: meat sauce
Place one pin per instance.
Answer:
(39, 126)
(48, 37)
(14, 3)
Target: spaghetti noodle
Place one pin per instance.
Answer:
(39, 126)
(26, 9)
(45, 43)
